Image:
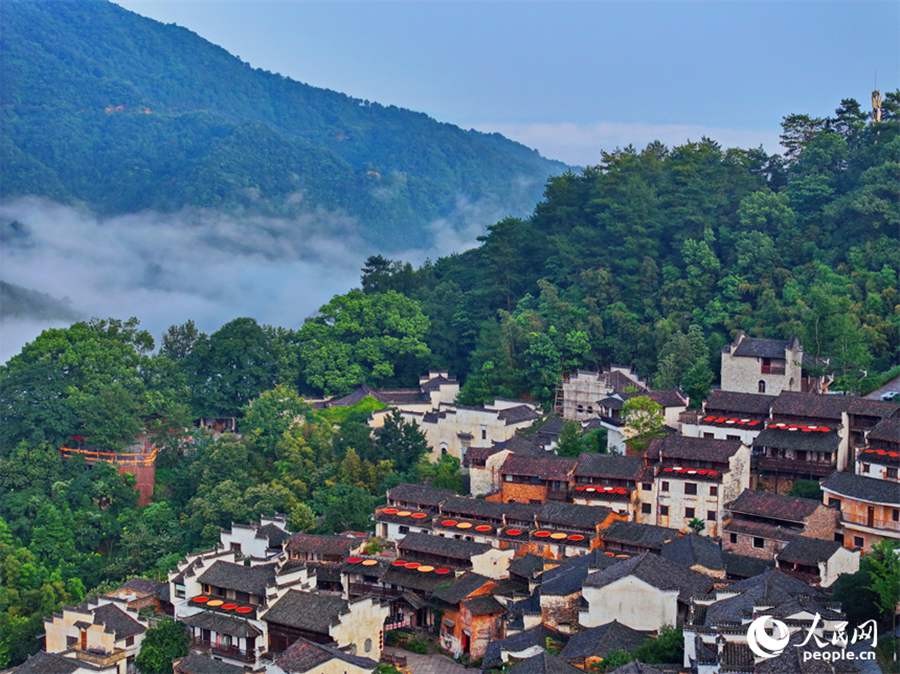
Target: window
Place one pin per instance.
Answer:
(710, 515)
(690, 488)
(895, 515)
(732, 538)
(647, 486)
(839, 538)
(865, 468)
(689, 513)
(891, 473)
(834, 503)
(590, 409)
(713, 490)
(129, 641)
(709, 436)
(404, 529)
(484, 434)
(758, 542)
(580, 408)
(761, 386)
(732, 437)
(646, 508)
(858, 542)
(664, 511)
(665, 486)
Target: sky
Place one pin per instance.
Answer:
(571, 79)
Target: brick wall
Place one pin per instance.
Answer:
(523, 493)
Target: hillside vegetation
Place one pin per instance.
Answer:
(105, 107)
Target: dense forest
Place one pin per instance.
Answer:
(104, 107)
(652, 258)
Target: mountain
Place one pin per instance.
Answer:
(107, 108)
(18, 302)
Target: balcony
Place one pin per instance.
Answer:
(230, 652)
(793, 467)
(771, 368)
(367, 589)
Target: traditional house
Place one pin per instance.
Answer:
(105, 635)
(521, 646)
(407, 496)
(470, 615)
(312, 548)
(483, 463)
(457, 554)
(645, 593)
(610, 480)
(694, 478)
(784, 453)
(757, 365)
(543, 663)
(864, 415)
(434, 389)
(308, 657)
(138, 594)
(697, 553)
(560, 595)
(355, 625)
(715, 631)
(535, 479)
(43, 662)
(759, 524)
(729, 415)
(220, 600)
(261, 541)
(633, 538)
(815, 561)
(588, 648)
(869, 508)
(880, 458)
(452, 429)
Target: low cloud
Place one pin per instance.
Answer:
(581, 144)
(195, 264)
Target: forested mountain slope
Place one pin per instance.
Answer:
(103, 106)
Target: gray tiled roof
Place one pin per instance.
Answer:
(457, 590)
(691, 550)
(517, 414)
(609, 465)
(656, 571)
(810, 405)
(252, 579)
(648, 536)
(324, 545)
(863, 488)
(312, 611)
(808, 551)
(707, 450)
(47, 663)
(543, 663)
(451, 548)
(543, 467)
(534, 636)
(887, 430)
(754, 404)
(797, 440)
(209, 620)
(571, 515)
(116, 620)
(305, 656)
(195, 663)
(758, 347)
(600, 641)
(772, 505)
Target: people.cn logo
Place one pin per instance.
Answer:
(763, 644)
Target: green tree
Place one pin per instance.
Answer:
(271, 415)
(444, 474)
(569, 443)
(883, 564)
(402, 442)
(359, 337)
(343, 507)
(163, 643)
(668, 647)
(644, 416)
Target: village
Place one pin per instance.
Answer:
(688, 525)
